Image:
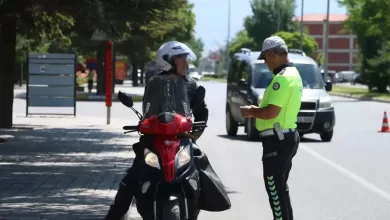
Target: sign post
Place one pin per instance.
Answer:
(51, 82)
(108, 68)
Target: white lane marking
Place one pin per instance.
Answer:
(380, 192)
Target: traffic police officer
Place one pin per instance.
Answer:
(276, 119)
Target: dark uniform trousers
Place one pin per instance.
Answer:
(277, 163)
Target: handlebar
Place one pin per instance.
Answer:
(131, 127)
(198, 125)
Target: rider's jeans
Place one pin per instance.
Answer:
(277, 163)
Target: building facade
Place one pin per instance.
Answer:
(342, 46)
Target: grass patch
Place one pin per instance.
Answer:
(208, 78)
(138, 98)
(87, 97)
(361, 93)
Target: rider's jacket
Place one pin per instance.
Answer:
(199, 109)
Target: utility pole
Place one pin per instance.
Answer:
(279, 10)
(326, 42)
(301, 42)
(226, 64)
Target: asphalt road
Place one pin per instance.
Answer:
(347, 179)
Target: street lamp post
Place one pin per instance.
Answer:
(301, 40)
(326, 42)
(226, 60)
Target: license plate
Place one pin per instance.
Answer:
(304, 119)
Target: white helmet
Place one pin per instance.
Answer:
(168, 51)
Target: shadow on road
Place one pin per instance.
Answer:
(245, 138)
(232, 192)
(60, 173)
(310, 140)
(347, 101)
(236, 138)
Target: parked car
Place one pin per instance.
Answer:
(193, 73)
(347, 76)
(338, 78)
(247, 80)
(331, 76)
(357, 78)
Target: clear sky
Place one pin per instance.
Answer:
(212, 17)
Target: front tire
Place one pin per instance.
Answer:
(251, 130)
(327, 136)
(171, 211)
(231, 125)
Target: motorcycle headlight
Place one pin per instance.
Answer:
(184, 157)
(151, 159)
(325, 103)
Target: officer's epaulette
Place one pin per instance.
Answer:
(282, 71)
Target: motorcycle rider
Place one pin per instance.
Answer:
(172, 58)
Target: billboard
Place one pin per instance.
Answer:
(120, 70)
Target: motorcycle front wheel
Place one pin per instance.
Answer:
(171, 211)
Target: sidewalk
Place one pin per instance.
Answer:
(61, 168)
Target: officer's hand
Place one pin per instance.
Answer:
(246, 111)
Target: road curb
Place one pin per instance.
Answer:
(33, 122)
(87, 97)
(360, 98)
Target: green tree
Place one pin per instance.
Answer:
(378, 72)
(197, 46)
(242, 40)
(175, 22)
(61, 21)
(42, 19)
(369, 16)
(270, 16)
(370, 21)
(292, 40)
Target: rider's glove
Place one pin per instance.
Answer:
(196, 134)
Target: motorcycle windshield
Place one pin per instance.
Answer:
(166, 94)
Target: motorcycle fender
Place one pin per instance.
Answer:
(192, 186)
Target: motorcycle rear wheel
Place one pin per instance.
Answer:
(171, 211)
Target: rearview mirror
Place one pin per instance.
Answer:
(125, 99)
(328, 86)
(243, 84)
(200, 93)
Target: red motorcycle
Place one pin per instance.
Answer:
(168, 182)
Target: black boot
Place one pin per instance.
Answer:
(123, 197)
